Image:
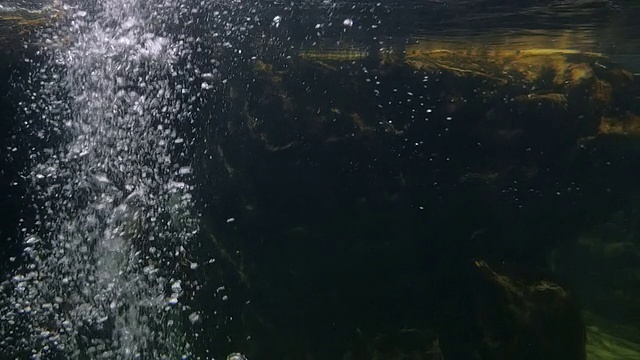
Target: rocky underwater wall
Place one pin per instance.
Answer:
(435, 191)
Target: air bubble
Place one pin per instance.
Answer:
(194, 317)
(276, 21)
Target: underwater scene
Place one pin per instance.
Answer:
(320, 179)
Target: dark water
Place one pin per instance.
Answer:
(373, 237)
(357, 207)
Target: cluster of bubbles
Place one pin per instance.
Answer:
(102, 276)
(106, 262)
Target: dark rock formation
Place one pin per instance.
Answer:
(363, 184)
(528, 319)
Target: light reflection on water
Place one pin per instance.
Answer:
(607, 27)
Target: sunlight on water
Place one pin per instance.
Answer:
(102, 275)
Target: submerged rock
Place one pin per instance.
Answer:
(402, 165)
(610, 341)
(603, 264)
(528, 319)
(18, 22)
(626, 125)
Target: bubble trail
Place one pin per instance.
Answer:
(102, 278)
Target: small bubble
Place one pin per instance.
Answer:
(208, 76)
(276, 21)
(194, 317)
(32, 240)
(236, 356)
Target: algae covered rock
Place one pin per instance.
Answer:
(528, 319)
(626, 125)
(402, 164)
(610, 341)
(503, 65)
(525, 87)
(602, 263)
(18, 23)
